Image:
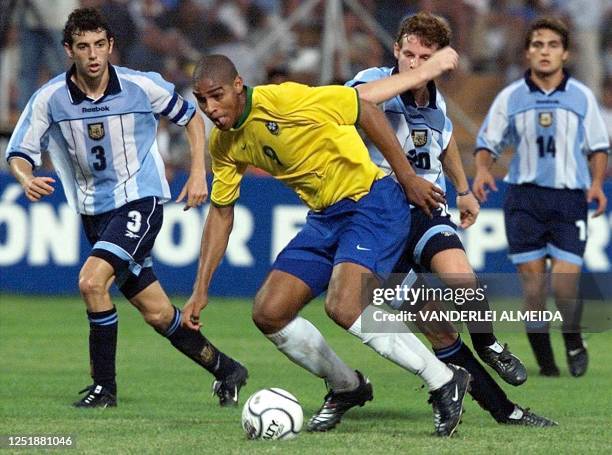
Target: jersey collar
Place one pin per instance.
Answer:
(408, 98)
(534, 88)
(247, 108)
(77, 96)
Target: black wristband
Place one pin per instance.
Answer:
(464, 193)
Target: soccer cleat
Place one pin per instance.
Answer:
(578, 361)
(228, 389)
(337, 403)
(529, 419)
(447, 401)
(97, 397)
(507, 365)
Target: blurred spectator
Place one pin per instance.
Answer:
(120, 21)
(586, 17)
(41, 23)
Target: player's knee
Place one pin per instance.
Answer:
(159, 320)
(90, 285)
(264, 318)
(341, 309)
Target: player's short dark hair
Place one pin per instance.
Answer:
(216, 67)
(429, 28)
(550, 23)
(85, 20)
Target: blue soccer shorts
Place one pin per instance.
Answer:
(371, 232)
(124, 238)
(545, 222)
(428, 237)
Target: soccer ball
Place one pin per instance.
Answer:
(272, 414)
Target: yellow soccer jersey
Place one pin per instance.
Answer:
(303, 136)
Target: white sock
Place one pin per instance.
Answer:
(496, 347)
(402, 347)
(303, 344)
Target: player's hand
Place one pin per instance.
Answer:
(468, 210)
(446, 59)
(195, 190)
(37, 187)
(483, 180)
(192, 310)
(424, 194)
(596, 193)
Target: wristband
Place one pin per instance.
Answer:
(463, 193)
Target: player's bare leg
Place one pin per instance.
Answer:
(95, 279)
(564, 282)
(454, 269)
(533, 278)
(447, 385)
(275, 313)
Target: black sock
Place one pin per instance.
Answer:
(572, 341)
(481, 331)
(539, 339)
(484, 390)
(103, 347)
(482, 340)
(195, 346)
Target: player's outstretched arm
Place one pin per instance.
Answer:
(599, 164)
(484, 179)
(445, 59)
(453, 168)
(196, 188)
(419, 191)
(217, 229)
(34, 187)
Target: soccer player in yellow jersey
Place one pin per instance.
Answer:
(358, 222)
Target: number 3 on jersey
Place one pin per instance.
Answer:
(100, 164)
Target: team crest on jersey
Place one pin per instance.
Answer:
(545, 118)
(95, 131)
(419, 137)
(273, 127)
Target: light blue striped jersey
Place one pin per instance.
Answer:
(104, 151)
(552, 133)
(424, 132)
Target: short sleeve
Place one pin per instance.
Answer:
(227, 174)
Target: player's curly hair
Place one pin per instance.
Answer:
(85, 20)
(429, 28)
(550, 23)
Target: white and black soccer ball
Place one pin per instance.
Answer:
(272, 414)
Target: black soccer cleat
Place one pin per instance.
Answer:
(578, 361)
(337, 403)
(97, 396)
(228, 389)
(529, 419)
(507, 365)
(447, 401)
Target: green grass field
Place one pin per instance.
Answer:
(165, 404)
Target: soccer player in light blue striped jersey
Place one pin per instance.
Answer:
(557, 132)
(99, 124)
(417, 111)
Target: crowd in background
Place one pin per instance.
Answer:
(168, 36)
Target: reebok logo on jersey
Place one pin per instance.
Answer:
(95, 109)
